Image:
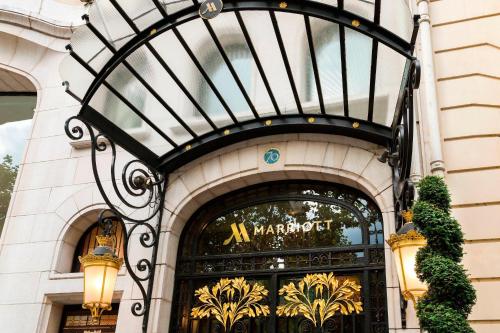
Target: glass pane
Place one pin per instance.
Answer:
(327, 48)
(110, 23)
(293, 33)
(363, 8)
(185, 70)
(358, 65)
(231, 36)
(390, 68)
(396, 17)
(79, 78)
(115, 110)
(261, 32)
(142, 12)
(200, 42)
(162, 83)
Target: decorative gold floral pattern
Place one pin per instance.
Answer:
(230, 300)
(319, 297)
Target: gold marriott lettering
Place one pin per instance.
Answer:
(240, 234)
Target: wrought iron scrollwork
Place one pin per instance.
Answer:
(399, 154)
(138, 190)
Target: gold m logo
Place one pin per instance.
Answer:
(211, 7)
(239, 233)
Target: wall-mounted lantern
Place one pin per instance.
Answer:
(100, 269)
(405, 245)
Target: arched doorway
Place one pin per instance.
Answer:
(275, 234)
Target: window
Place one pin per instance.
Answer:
(220, 75)
(77, 320)
(275, 234)
(88, 242)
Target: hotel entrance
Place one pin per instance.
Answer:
(282, 257)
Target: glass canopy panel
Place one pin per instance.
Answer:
(363, 8)
(90, 48)
(199, 40)
(142, 12)
(396, 17)
(70, 69)
(229, 32)
(293, 33)
(108, 21)
(261, 31)
(173, 6)
(167, 93)
(390, 68)
(184, 69)
(358, 63)
(115, 110)
(126, 84)
(327, 49)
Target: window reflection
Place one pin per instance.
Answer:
(220, 75)
(358, 64)
(281, 225)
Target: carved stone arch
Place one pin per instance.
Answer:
(79, 211)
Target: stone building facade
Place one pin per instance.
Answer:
(55, 198)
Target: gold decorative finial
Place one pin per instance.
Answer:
(283, 5)
(355, 23)
(188, 147)
(311, 120)
(153, 31)
(355, 124)
(407, 215)
(227, 132)
(269, 122)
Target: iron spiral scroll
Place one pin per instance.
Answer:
(138, 182)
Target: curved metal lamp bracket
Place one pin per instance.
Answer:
(138, 189)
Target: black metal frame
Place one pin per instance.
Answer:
(146, 176)
(265, 193)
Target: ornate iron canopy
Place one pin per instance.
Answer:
(148, 74)
(170, 81)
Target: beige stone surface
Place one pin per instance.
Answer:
(469, 90)
(447, 11)
(481, 259)
(476, 187)
(468, 61)
(480, 222)
(470, 121)
(472, 153)
(466, 33)
(487, 300)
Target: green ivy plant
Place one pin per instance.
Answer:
(449, 300)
